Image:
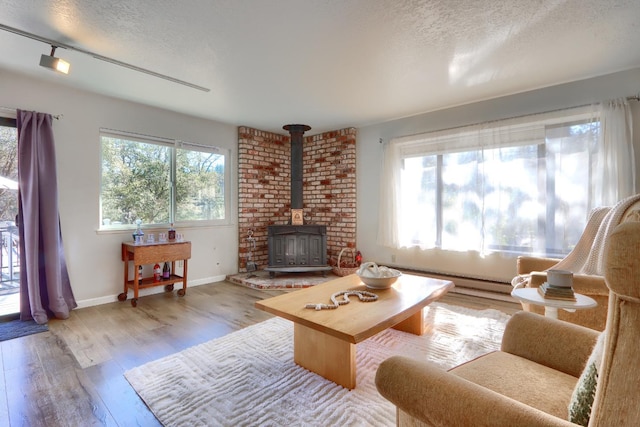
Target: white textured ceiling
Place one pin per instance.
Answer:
(326, 63)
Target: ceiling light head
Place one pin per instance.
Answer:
(53, 63)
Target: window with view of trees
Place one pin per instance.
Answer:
(9, 234)
(8, 172)
(159, 182)
(517, 189)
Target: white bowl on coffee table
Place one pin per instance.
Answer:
(375, 277)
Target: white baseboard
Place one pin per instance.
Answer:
(148, 291)
(484, 294)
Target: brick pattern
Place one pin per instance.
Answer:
(264, 188)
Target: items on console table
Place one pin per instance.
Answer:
(556, 292)
(152, 253)
(559, 285)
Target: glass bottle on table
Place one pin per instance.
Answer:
(157, 273)
(166, 271)
(172, 233)
(138, 235)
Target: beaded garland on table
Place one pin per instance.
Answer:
(364, 296)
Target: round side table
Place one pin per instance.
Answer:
(551, 306)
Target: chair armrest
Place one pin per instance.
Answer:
(439, 398)
(536, 279)
(559, 345)
(590, 285)
(527, 264)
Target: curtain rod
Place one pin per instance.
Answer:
(171, 141)
(15, 110)
(628, 98)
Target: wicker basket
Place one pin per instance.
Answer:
(348, 268)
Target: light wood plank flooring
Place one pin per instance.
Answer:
(73, 374)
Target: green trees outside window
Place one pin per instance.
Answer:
(160, 183)
(8, 173)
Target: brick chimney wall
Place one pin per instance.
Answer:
(264, 188)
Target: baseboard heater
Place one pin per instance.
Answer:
(469, 285)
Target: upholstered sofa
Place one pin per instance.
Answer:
(530, 381)
(592, 285)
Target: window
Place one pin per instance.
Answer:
(9, 235)
(8, 172)
(160, 181)
(521, 188)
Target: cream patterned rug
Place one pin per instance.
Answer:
(248, 378)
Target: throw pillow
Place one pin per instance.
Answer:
(585, 391)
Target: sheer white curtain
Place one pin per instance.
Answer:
(614, 171)
(390, 201)
(407, 204)
(489, 187)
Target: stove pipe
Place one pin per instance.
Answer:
(297, 132)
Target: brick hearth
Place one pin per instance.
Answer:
(261, 280)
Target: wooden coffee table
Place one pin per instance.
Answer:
(324, 340)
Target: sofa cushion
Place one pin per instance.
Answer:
(585, 390)
(520, 379)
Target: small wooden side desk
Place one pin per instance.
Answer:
(151, 253)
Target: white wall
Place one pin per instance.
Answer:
(369, 159)
(93, 258)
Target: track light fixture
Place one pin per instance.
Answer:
(49, 61)
(56, 64)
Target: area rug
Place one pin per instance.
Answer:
(248, 378)
(20, 328)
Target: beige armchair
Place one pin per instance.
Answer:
(590, 285)
(530, 381)
(587, 284)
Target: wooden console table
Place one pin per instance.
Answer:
(152, 253)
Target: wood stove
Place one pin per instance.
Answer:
(297, 247)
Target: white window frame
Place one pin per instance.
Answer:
(527, 130)
(173, 144)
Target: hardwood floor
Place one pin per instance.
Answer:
(73, 374)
